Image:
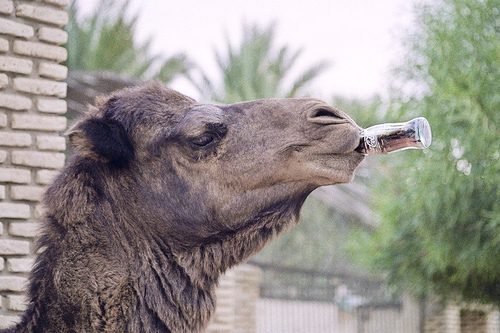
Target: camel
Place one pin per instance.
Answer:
(164, 194)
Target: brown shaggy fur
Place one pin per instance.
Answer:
(164, 194)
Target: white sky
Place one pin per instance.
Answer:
(361, 38)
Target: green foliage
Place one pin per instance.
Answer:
(441, 207)
(317, 242)
(105, 40)
(256, 70)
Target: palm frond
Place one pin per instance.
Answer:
(105, 40)
(254, 69)
(307, 77)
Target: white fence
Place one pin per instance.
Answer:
(286, 316)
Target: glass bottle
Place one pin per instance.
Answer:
(386, 138)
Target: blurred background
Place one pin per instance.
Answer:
(358, 39)
(417, 231)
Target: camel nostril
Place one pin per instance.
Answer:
(325, 113)
(325, 116)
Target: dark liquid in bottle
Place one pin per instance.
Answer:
(385, 138)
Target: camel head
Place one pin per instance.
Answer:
(208, 169)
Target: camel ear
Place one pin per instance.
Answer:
(101, 139)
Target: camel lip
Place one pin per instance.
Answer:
(327, 162)
(326, 173)
(348, 148)
(353, 159)
(351, 155)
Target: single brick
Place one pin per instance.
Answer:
(2, 266)
(53, 35)
(3, 156)
(17, 302)
(4, 45)
(40, 50)
(51, 142)
(14, 102)
(14, 139)
(14, 247)
(40, 86)
(20, 265)
(14, 211)
(17, 176)
(46, 177)
(53, 71)
(2, 196)
(9, 27)
(3, 117)
(12, 283)
(58, 3)
(4, 80)
(8, 321)
(38, 159)
(42, 14)
(38, 123)
(24, 229)
(29, 193)
(16, 65)
(52, 105)
(6, 6)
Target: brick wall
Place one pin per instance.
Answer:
(237, 297)
(465, 318)
(31, 107)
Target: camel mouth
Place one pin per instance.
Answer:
(348, 144)
(347, 147)
(344, 166)
(333, 168)
(351, 159)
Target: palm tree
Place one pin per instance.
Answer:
(254, 70)
(104, 40)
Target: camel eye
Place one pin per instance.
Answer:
(204, 140)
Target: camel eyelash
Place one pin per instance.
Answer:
(203, 141)
(215, 132)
